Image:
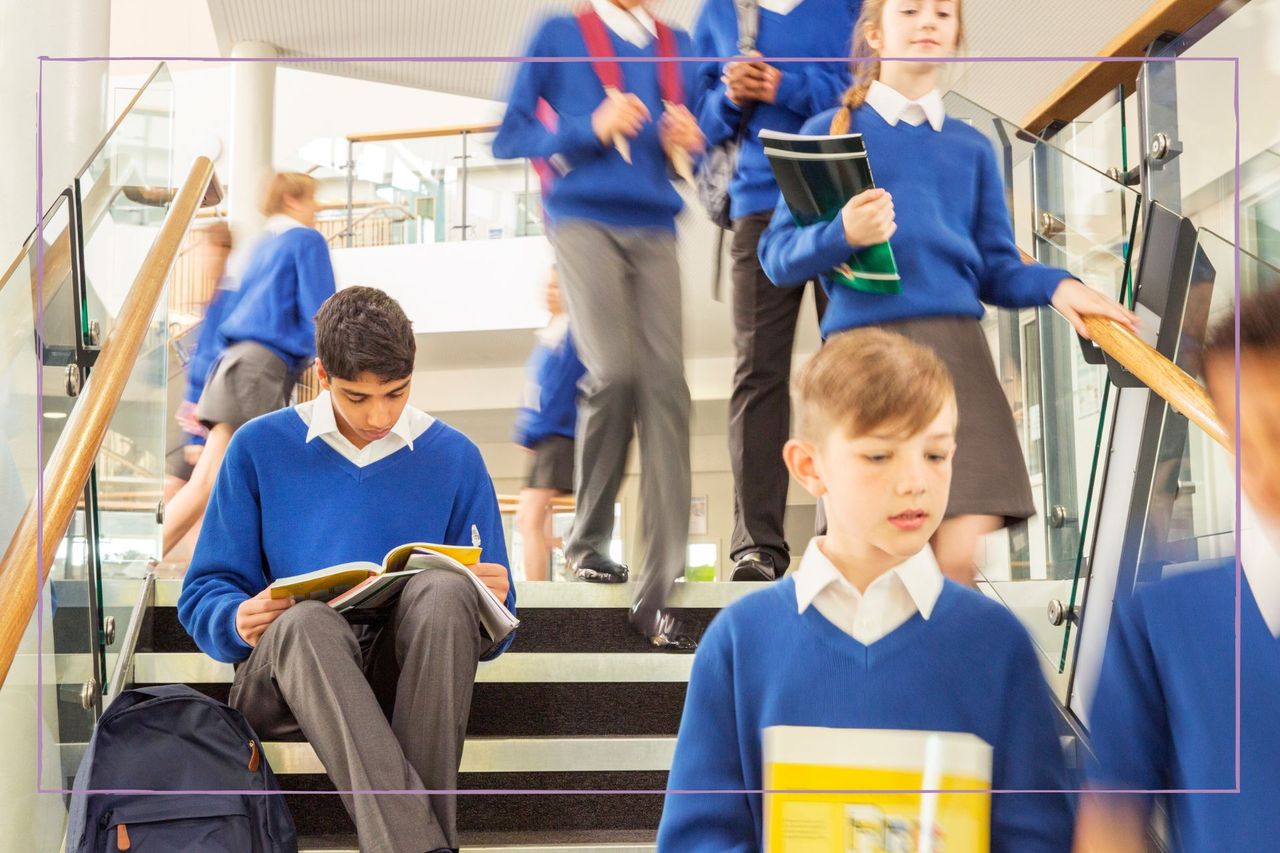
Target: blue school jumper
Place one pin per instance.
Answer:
(594, 182)
(970, 667)
(288, 278)
(1164, 715)
(207, 344)
(954, 244)
(283, 506)
(552, 408)
(813, 28)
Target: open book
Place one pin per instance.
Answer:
(360, 586)
(876, 790)
(817, 175)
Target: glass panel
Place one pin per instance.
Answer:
(418, 191)
(1191, 516)
(1067, 214)
(124, 195)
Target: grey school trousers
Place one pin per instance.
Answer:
(309, 673)
(622, 287)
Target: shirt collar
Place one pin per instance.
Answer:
(325, 422)
(919, 574)
(278, 223)
(780, 7)
(892, 104)
(634, 25)
(1260, 562)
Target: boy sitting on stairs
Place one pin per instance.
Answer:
(348, 477)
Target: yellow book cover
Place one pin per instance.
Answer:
(875, 791)
(324, 584)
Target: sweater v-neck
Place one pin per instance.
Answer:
(867, 654)
(360, 474)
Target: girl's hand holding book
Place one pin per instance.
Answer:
(620, 114)
(868, 218)
(1075, 300)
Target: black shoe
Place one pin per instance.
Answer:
(754, 566)
(662, 630)
(597, 569)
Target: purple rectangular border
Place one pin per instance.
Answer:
(40, 325)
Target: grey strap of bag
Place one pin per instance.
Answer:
(748, 13)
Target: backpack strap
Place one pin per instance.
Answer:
(669, 72)
(545, 114)
(600, 49)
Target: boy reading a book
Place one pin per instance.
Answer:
(348, 477)
(866, 634)
(1164, 716)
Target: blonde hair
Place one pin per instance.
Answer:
(286, 185)
(868, 70)
(869, 379)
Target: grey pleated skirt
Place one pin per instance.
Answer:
(989, 474)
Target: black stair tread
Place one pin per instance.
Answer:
(584, 810)
(543, 629)
(481, 838)
(520, 709)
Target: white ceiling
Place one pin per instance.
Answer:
(499, 28)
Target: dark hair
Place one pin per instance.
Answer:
(363, 330)
(1259, 327)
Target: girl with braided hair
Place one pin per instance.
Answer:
(954, 248)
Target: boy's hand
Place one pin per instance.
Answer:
(255, 615)
(868, 218)
(186, 418)
(1076, 300)
(494, 577)
(621, 113)
(679, 130)
(745, 82)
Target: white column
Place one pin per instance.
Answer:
(253, 92)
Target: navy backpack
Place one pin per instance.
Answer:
(172, 738)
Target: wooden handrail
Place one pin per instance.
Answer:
(421, 133)
(1093, 80)
(73, 457)
(1173, 384)
(1162, 376)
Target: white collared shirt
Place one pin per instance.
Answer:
(893, 106)
(780, 7)
(1260, 562)
(890, 600)
(633, 25)
(322, 423)
(278, 223)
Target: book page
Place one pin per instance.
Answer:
(323, 584)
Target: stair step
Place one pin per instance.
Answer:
(529, 594)
(493, 755)
(566, 841)
(510, 668)
(542, 629)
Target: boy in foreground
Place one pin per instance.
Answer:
(867, 633)
(348, 477)
(1164, 716)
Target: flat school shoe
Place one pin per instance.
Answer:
(596, 569)
(754, 566)
(662, 630)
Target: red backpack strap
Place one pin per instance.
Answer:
(545, 114)
(669, 72)
(600, 48)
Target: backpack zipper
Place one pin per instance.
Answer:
(122, 837)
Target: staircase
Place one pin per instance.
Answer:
(579, 703)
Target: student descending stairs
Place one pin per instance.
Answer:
(579, 703)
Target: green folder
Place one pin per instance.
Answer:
(817, 176)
